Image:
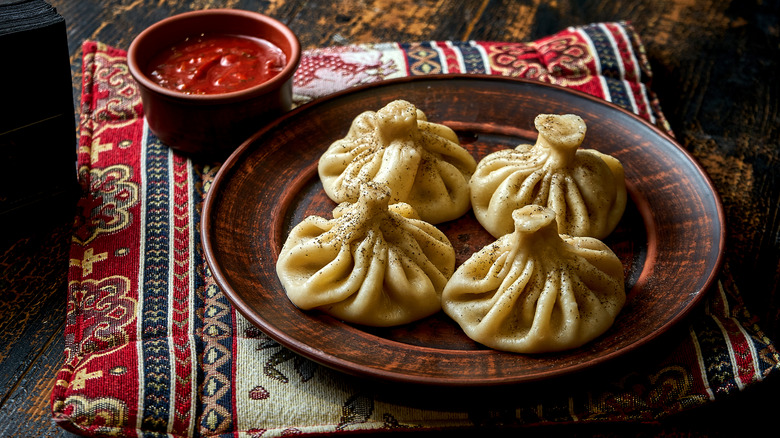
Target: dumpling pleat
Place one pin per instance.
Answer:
(444, 144)
(436, 130)
(557, 198)
(439, 188)
(542, 330)
(361, 298)
(475, 290)
(425, 258)
(342, 172)
(511, 290)
(565, 323)
(507, 193)
(398, 162)
(528, 310)
(532, 188)
(338, 280)
(407, 285)
(577, 216)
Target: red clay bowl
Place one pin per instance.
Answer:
(212, 124)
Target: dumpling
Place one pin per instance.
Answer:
(373, 264)
(534, 291)
(422, 162)
(584, 187)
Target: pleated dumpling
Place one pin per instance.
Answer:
(534, 291)
(422, 162)
(584, 187)
(373, 264)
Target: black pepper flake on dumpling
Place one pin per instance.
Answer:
(534, 290)
(374, 263)
(423, 163)
(585, 188)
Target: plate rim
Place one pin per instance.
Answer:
(340, 364)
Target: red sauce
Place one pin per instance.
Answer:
(214, 64)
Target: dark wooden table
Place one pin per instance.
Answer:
(716, 67)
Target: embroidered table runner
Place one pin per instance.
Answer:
(153, 348)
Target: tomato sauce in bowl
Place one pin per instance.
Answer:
(211, 78)
(216, 63)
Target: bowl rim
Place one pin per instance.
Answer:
(274, 83)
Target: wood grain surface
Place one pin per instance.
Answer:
(715, 66)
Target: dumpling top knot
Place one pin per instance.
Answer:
(397, 119)
(533, 218)
(567, 130)
(562, 134)
(374, 198)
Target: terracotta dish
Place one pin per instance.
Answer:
(670, 239)
(214, 124)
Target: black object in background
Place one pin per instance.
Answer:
(37, 125)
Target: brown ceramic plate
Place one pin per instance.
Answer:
(670, 239)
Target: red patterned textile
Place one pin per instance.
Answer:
(153, 348)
